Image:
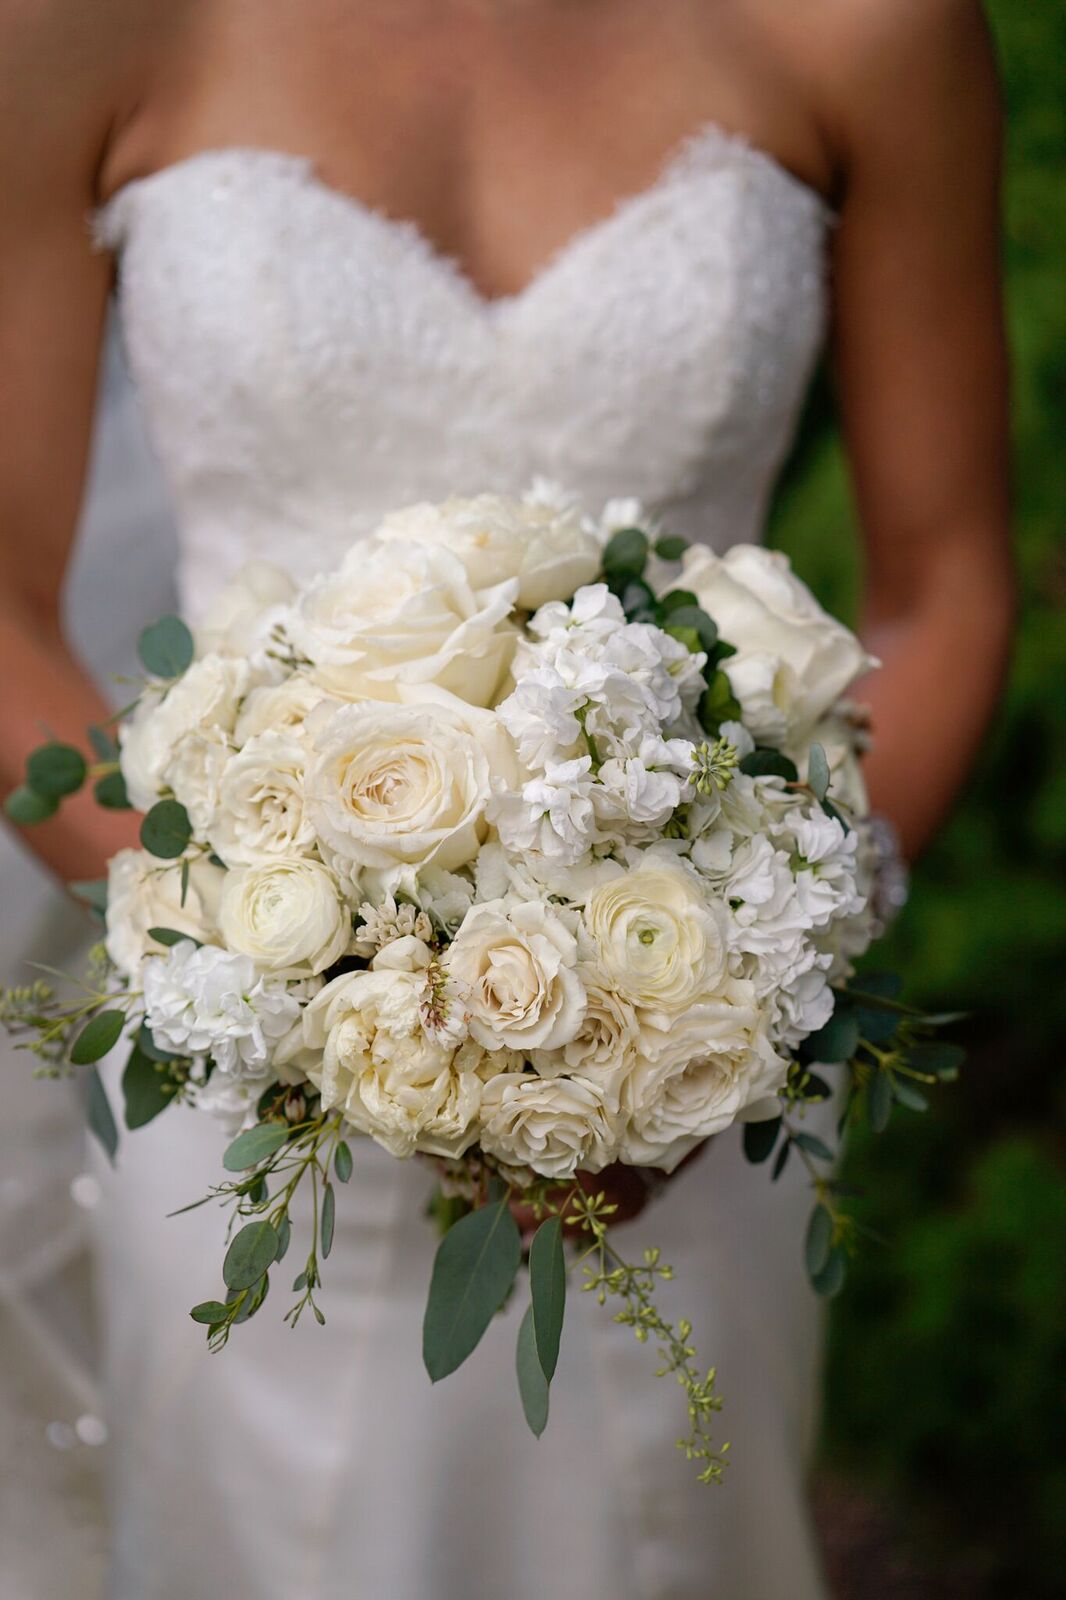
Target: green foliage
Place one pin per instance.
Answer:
(166, 830)
(251, 1252)
(254, 1145)
(166, 648)
(473, 1273)
(532, 1383)
(25, 806)
(547, 1288)
(101, 1119)
(148, 1087)
(56, 770)
(99, 1035)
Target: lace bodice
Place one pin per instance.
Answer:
(307, 363)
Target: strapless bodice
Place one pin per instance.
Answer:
(307, 363)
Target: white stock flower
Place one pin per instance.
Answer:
(400, 614)
(555, 1126)
(286, 916)
(514, 970)
(202, 705)
(793, 660)
(261, 813)
(378, 1065)
(553, 814)
(242, 614)
(661, 940)
(406, 784)
(210, 1002)
(143, 893)
(546, 546)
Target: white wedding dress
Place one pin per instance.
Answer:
(307, 363)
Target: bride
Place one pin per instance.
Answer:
(370, 251)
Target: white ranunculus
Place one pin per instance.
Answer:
(241, 615)
(287, 916)
(693, 1076)
(793, 660)
(376, 1063)
(262, 812)
(210, 1002)
(144, 892)
(278, 707)
(514, 968)
(401, 614)
(556, 1126)
(202, 703)
(391, 784)
(546, 546)
(661, 939)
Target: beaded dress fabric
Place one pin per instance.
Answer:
(306, 364)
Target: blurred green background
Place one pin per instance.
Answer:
(946, 1381)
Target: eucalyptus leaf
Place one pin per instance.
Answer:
(670, 547)
(696, 618)
(818, 772)
(474, 1269)
(99, 1035)
(547, 1287)
(284, 1233)
(329, 1218)
(837, 1041)
(24, 806)
(819, 1241)
(209, 1312)
(101, 1119)
(56, 770)
(254, 1145)
(110, 792)
(171, 936)
(813, 1145)
(675, 598)
(166, 647)
(934, 1055)
(147, 1088)
(909, 1096)
(879, 1101)
(830, 1280)
(685, 634)
(342, 1162)
(104, 743)
(147, 1044)
(253, 1299)
(250, 1254)
(626, 553)
(718, 704)
(532, 1384)
(166, 830)
(781, 1160)
(760, 1138)
(765, 763)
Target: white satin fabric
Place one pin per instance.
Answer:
(307, 363)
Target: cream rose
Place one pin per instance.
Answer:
(793, 660)
(279, 707)
(694, 1076)
(286, 915)
(604, 1046)
(143, 893)
(391, 784)
(547, 547)
(556, 1126)
(241, 615)
(513, 967)
(262, 812)
(404, 614)
(373, 1060)
(202, 705)
(660, 939)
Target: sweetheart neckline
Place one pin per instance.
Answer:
(710, 136)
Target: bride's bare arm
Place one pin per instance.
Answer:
(922, 368)
(53, 292)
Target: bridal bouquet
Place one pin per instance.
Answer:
(521, 843)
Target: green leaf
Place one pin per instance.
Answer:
(837, 1041)
(813, 1145)
(764, 763)
(637, 596)
(685, 635)
(148, 1046)
(166, 830)
(835, 813)
(253, 1299)
(818, 772)
(474, 1269)
(626, 554)
(696, 618)
(171, 936)
(879, 1101)
(819, 1241)
(718, 704)
(830, 1280)
(676, 598)
(101, 1120)
(250, 1253)
(342, 1162)
(329, 1217)
(104, 743)
(670, 547)
(760, 1138)
(547, 1287)
(110, 792)
(56, 770)
(909, 1096)
(99, 1035)
(166, 647)
(25, 806)
(93, 891)
(254, 1145)
(147, 1088)
(209, 1312)
(935, 1056)
(532, 1384)
(781, 1160)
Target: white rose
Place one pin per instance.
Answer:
(242, 614)
(556, 1126)
(604, 1047)
(262, 812)
(661, 940)
(278, 707)
(402, 614)
(693, 1077)
(545, 545)
(286, 915)
(514, 968)
(793, 660)
(203, 702)
(210, 1002)
(143, 893)
(194, 776)
(376, 1063)
(406, 784)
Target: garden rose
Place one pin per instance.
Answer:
(286, 915)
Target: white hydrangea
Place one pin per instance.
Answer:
(203, 1001)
